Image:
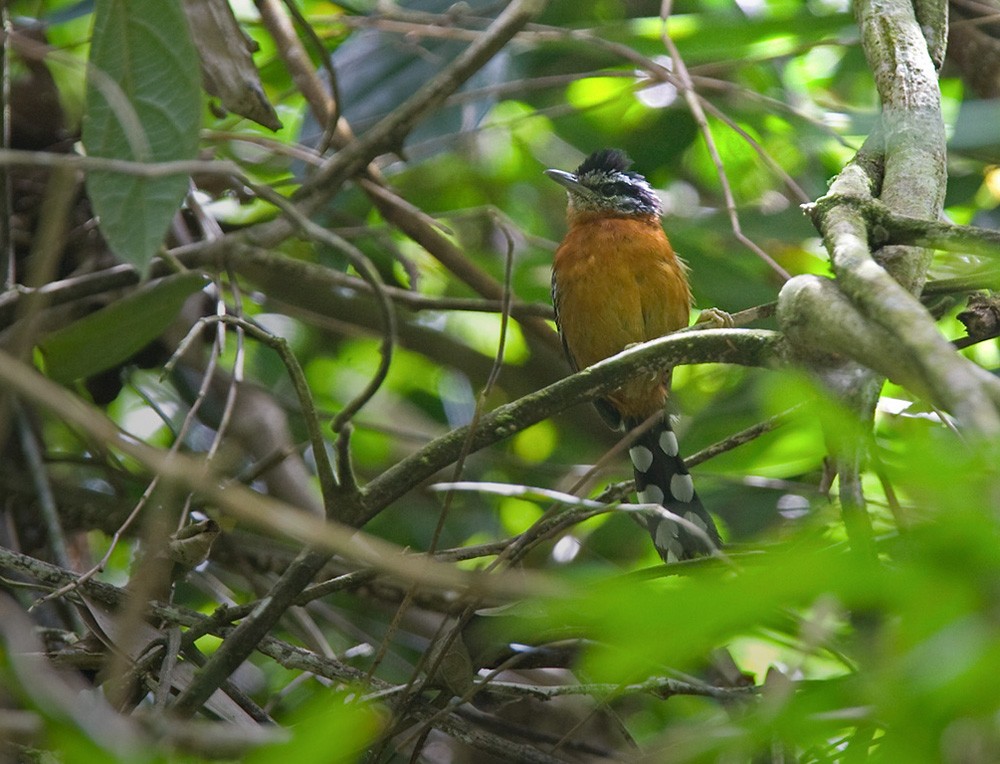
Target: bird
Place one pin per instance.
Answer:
(616, 282)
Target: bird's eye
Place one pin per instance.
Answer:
(616, 188)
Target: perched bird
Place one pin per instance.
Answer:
(616, 282)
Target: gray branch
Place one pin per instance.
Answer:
(869, 313)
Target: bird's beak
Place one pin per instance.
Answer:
(569, 181)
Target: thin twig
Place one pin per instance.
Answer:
(8, 270)
(151, 170)
(32, 452)
(329, 485)
(388, 134)
(150, 489)
(694, 104)
(740, 438)
(363, 265)
(658, 686)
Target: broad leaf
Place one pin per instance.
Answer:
(111, 335)
(143, 104)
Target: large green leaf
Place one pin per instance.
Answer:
(111, 335)
(143, 103)
(332, 728)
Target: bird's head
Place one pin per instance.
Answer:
(604, 184)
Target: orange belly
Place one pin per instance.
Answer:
(618, 282)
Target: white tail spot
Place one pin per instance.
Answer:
(651, 494)
(641, 457)
(666, 532)
(667, 540)
(693, 517)
(682, 487)
(668, 442)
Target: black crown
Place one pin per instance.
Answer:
(605, 161)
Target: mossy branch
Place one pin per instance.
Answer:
(746, 347)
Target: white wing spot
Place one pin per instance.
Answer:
(682, 487)
(641, 457)
(651, 494)
(668, 442)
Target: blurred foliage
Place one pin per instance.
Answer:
(856, 659)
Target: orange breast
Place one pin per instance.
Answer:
(618, 282)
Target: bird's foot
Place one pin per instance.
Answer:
(714, 318)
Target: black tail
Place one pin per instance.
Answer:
(661, 478)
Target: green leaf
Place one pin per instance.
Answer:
(113, 334)
(331, 728)
(143, 104)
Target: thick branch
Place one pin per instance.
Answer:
(912, 127)
(964, 239)
(904, 326)
(842, 331)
